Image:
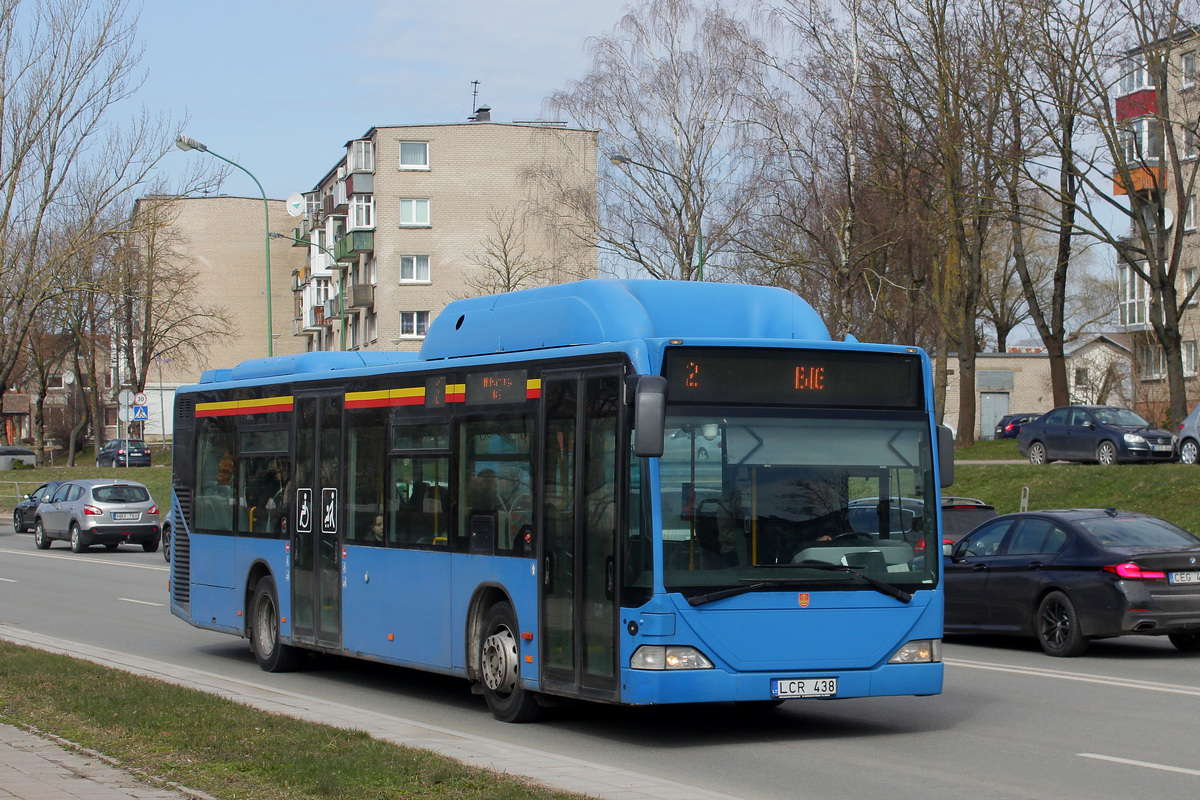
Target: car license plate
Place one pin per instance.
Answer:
(803, 687)
(125, 516)
(1163, 448)
(1185, 577)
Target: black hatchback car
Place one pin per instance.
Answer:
(24, 513)
(1100, 434)
(1010, 425)
(1066, 577)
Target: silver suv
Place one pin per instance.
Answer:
(1188, 442)
(98, 511)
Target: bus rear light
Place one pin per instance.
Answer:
(918, 651)
(1131, 571)
(656, 656)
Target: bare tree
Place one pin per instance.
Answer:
(663, 92)
(63, 164)
(505, 261)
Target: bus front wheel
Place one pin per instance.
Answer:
(272, 654)
(500, 667)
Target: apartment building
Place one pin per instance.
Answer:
(1144, 116)
(416, 216)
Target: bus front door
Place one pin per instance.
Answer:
(580, 492)
(316, 560)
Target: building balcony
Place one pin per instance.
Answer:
(349, 246)
(1141, 103)
(1143, 178)
(362, 295)
(360, 183)
(333, 308)
(314, 318)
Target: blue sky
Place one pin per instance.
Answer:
(280, 87)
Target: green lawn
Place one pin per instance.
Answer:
(16, 483)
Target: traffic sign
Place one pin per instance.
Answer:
(126, 397)
(139, 399)
(141, 413)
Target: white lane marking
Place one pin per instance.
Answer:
(8, 580)
(139, 602)
(1082, 677)
(1146, 764)
(84, 560)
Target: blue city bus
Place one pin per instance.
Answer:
(633, 492)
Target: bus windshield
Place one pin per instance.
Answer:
(751, 497)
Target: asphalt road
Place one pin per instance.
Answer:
(1120, 722)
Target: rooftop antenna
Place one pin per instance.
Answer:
(474, 94)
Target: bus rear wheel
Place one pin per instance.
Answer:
(500, 667)
(272, 654)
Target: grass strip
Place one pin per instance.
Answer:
(223, 748)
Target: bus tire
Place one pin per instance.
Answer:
(500, 667)
(272, 654)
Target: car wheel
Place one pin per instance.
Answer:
(1037, 454)
(77, 543)
(1187, 642)
(1106, 454)
(1188, 451)
(500, 667)
(1057, 627)
(39, 536)
(272, 654)
(18, 523)
(166, 543)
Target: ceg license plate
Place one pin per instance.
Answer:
(803, 687)
(1185, 577)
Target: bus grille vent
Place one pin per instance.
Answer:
(181, 561)
(185, 408)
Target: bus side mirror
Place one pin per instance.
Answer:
(649, 415)
(946, 456)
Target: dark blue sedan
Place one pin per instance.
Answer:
(1098, 434)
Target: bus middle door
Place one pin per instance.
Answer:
(580, 513)
(316, 556)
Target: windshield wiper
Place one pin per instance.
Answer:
(733, 591)
(879, 586)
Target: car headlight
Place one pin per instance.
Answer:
(1133, 438)
(918, 651)
(657, 656)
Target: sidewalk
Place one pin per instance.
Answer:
(33, 768)
(43, 770)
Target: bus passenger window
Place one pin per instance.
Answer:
(419, 515)
(496, 475)
(262, 492)
(214, 501)
(366, 451)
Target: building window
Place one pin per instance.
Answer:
(414, 269)
(1133, 297)
(362, 156)
(1187, 70)
(1135, 75)
(413, 324)
(414, 213)
(1189, 213)
(1189, 143)
(414, 155)
(54, 381)
(1189, 359)
(370, 327)
(1189, 283)
(362, 212)
(1153, 360)
(1141, 140)
(1081, 377)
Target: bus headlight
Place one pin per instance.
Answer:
(919, 651)
(657, 656)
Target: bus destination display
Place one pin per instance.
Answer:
(496, 387)
(794, 377)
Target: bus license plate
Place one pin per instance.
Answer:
(1185, 577)
(125, 516)
(803, 687)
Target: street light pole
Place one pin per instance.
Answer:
(341, 277)
(186, 143)
(621, 160)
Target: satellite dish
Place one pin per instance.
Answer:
(1168, 219)
(68, 378)
(295, 204)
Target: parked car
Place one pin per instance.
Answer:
(1066, 577)
(1102, 434)
(123, 453)
(1188, 439)
(960, 515)
(23, 514)
(98, 511)
(1010, 425)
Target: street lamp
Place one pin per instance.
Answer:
(341, 276)
(187, 143)
(622, 160)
